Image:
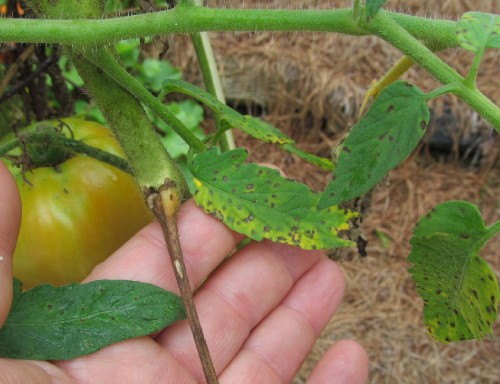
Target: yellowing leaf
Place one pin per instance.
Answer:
(259, 203)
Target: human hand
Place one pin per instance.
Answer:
(261, 310)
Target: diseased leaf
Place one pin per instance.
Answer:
(259, 203)
(57, 323)
(459, 289)
(382, 139)
(372, 7)
(477, 31)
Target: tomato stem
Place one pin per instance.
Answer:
(165, 203)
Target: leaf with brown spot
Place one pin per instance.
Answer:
(382, 139)
(265, 204)
(458, 287)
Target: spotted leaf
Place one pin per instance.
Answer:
(459, 289)
(382, 139)
(477, 31)
(259, 203)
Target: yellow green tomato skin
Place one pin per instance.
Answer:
(75, 215)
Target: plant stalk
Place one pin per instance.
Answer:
(208, 66)
(165, 204)
(191, 19)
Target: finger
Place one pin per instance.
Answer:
(10, 218)
(205, 243)
(344, 363)
(278, 346)
(236, 299)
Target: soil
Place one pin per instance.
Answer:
(311, 86)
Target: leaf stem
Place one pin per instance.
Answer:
(384, 26)
(470, 80)
(165, 204)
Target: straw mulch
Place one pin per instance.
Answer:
(311, 86)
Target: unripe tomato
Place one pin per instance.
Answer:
(75, 214)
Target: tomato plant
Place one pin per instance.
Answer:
(257, 202)
(76, 213)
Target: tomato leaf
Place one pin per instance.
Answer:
(253, 126)
(259, 203)
(477, 31)
(56, 323)
(372, 7)
(383, 138)
(190, 114)
(229, 117)
(459, 289)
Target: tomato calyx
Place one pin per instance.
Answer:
(48, 146)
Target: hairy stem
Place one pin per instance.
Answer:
(148, 159)
(165, 203)
(191, 19)
(103, 58)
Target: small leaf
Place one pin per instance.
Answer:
(477, 31)
(459, 289)
(229, 117)
(48, 323)
(259, 203)
(372, 7)
(382, 139)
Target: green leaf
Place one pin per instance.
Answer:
(191, 115)
(382, 139)
(253, 126)
(259, 203)
(229, 117)
(372, 7)
(477, 31)
(48, 323)
(153, 72)
(459, 289)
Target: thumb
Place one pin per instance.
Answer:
(10, 218)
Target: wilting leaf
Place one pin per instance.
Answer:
(259, 203)
(382, 139)
(56, 323)
(459, 289)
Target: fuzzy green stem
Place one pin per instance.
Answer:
(384, 26)
(103, 58)
(148, 159)
(470, 80)
(191, 19)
